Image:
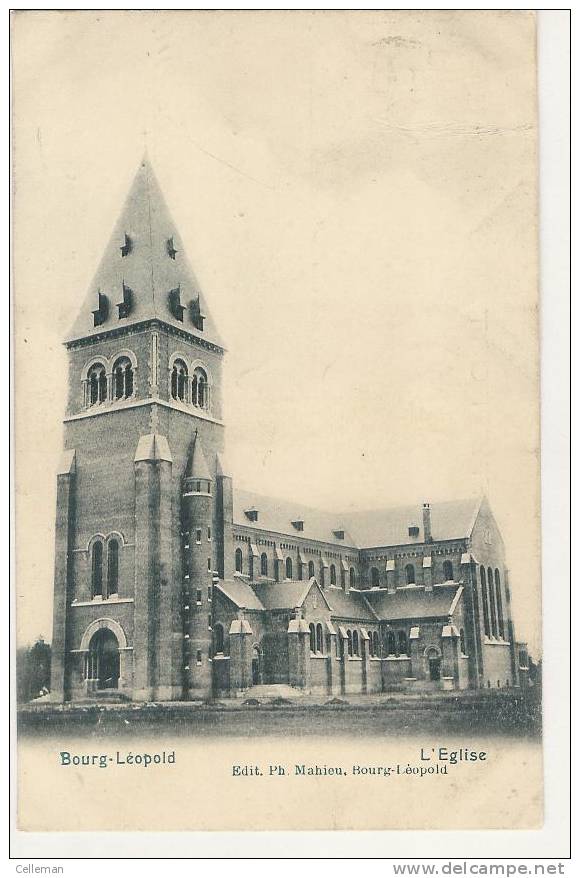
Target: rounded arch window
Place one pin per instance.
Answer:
(218, 638)
(352, 577)
(97, 569)
(310, 569)
(410, 574)
(200, 388)
(113, 567)
(264, 564)
(332, 574)
(349, 640)
(374, 577)
(239, 561)
(355, 642)
(123, 378)
(288, 568)
(462, 641)
(391, 643)
(375, 643)
(319, 638)
(96, 384)
(447, 571)
(179, 380)
(312, 630)
(484, 600)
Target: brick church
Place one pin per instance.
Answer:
(170, 584)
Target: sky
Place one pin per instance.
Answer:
(357, 195)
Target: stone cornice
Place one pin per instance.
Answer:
(135, 328)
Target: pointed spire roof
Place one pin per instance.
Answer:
(197, 467)
(144, 272)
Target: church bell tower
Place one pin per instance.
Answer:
(139, 531)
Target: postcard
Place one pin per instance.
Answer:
(277, 420)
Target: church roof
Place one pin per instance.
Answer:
(349, 605)
(413, 602)
(144, 272)
(283, 595)
(451, 519)
(240, 593)
(277, 515)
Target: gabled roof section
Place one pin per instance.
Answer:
(240, 594)
(286, 595)
(277, 515)
(349, 605)
(415, 603)
(450, 520)
(144, 272)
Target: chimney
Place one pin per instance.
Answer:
(427, 523)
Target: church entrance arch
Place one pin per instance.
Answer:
(103, 660)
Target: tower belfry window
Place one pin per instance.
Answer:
(123, 378)
(199, 388)
(178, 380)
(96, 384)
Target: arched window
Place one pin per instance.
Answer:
(97, 384)
(123, 378)
(410, 574)
(349, 640)
(288, 568)
(199, 388)
(374, 577)
(218, 638)
(239, 561)
(332, 574)
(319, 639)
(462, 641)
(352, 577)
(402, 643)
(178, 380)
(391, 643)
(112, 567)
(310, 569)
(486, 627)
(492, 607)
(447, 571)
(264, 564)
(97, 569)
(375, 643)
(312, 630)
(499, 604)
(355, 642)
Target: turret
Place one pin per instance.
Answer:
(197, 545)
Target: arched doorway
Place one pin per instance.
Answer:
(433, 657)
(103, 660)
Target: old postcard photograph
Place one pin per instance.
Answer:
(277, 420)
